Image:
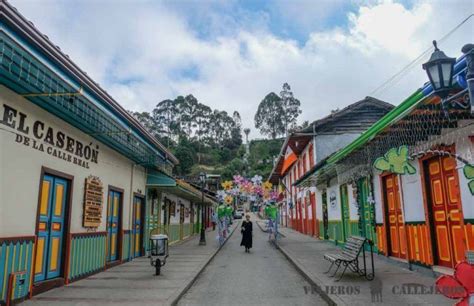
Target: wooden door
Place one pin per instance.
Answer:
(325, 216)
(51, 228)
(346, 226)
(394, 217)
(137, 226)
(367, 211)
(113, 219)
(447, 219)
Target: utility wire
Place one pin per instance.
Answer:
(384, 86)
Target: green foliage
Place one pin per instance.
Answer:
(194, 132)
(262, 154)
(269, 116)
(186, 155)
(291, 107)
(469, 174)
(395, 161)
(234, 167)
(276, 115)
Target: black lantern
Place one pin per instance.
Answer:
(440, 72)
(159, 251)
(159, 245)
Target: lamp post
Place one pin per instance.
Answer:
(202, 178)
(440, 70)
(468, 50)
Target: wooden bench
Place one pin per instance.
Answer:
(348, 257)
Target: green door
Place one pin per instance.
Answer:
(367, 214)
(325, 216)
(346, 227)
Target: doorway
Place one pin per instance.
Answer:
(345, 212)
(394, 217)
(181, 221)
(114, 226)
(325, 216)
(366, 211)
(51, 228)
(137, 225)
(444, 205)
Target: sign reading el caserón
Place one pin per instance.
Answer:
(39, 136)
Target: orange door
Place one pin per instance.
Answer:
(396, 228)
(446, 214)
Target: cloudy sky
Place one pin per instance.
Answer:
(230, 54)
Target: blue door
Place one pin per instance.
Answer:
(137, 227)
(113, 219)
(52, 209)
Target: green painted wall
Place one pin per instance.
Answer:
(15, 256)
(354, 228)
(87, 255)
(335, 231)
(321, 229)
(173, 232)
(126, 254)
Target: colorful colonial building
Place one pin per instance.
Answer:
(306, 148)
(82, 183)
(406, 183)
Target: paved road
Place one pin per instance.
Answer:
(263, 277)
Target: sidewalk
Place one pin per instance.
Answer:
(135, 283)
(393, 285)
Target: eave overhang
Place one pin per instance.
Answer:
(32, 66)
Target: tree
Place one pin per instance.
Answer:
(147, 121)
(186, 156)
(165, 117)
(291, 108)
(269, 116)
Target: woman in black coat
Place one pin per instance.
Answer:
(246, 231)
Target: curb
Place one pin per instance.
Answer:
(174, 299)
(300, 268)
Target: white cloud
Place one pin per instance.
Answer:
(136, 51)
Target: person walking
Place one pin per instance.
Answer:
(246, 230)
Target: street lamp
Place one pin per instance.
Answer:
(202, 178)
(440, 72)
(468, 50)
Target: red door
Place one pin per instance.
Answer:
(300, 221)
(396, 228)
(447, 219)
(312, 198)
(305, 216)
